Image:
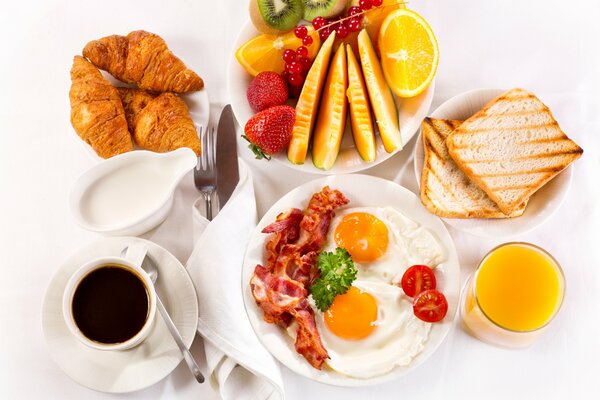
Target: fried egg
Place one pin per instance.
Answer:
(383, 242)
(370, 330)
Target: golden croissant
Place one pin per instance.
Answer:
(143, 58)
(134, 101)
(96, 111)
(165, 125)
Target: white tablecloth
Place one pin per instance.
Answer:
(548, 46)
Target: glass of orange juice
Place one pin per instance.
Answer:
(515, 292)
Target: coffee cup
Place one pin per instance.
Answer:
(110, 302)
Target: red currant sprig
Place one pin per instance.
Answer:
(344, 25)
(297, 63)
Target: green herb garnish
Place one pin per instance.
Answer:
(337, 274)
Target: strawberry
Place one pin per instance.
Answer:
(266, 90)
(270, 130)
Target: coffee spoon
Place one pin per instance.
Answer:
(149, 266)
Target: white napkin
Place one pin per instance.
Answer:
(239, 366)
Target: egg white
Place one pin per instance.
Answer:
(397, 338)
(409, 244)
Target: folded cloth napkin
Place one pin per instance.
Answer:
(239, 366)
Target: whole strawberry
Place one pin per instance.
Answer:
(270, 130)
(266, 90)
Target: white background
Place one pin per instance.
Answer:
(548, 46)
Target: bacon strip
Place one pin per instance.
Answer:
(286, 229)
(281, 287)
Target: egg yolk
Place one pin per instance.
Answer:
(352, 314)
(363, 235)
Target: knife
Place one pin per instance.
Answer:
(227, 161)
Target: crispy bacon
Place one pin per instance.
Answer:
(317, 217)
(286, 230)
(308, 341)
(281, 287)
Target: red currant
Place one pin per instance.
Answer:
(305, 62)
(376, 3)
(365, 4)
(285, 75)
(294, 67)
(295, 79)
(318, 22)
(302, 51)
(341, 30)
(289, 55)
(354, 10)
(294, 91)
(307, 40)
(324, 33)
(301, 32)
(353, 24)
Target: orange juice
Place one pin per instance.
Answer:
(516, 290)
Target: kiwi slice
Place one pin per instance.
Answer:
(278, 15)
(323, 8)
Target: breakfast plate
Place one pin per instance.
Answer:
(411, 113)
(362, 191)
(542, 204)
(198, 104)
(137, 368)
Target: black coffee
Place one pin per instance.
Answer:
(110, 304)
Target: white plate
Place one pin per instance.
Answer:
(361, 190)
(197, 102)
(411, 114)
(541, 205)
(137, 368)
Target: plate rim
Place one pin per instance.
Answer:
(325, 377)
(455, 223)
(64, 264)
(307, 166)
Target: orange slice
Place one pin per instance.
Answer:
(409, 52)
(264, 52)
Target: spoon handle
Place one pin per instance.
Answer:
(187, 356)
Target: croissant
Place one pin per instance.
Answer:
(134, 101)
(143, 58)
(165, 125)
(96, 111)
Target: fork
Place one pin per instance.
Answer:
(205, 173)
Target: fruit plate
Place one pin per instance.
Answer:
(542, 204)
(361, 190)
(411, 113)
(197, 102)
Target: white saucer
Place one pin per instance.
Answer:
(542, 204)
(137, 368)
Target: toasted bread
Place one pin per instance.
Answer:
(511, 148)
(445, 189)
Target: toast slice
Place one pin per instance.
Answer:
(511, 148)
(445, 189)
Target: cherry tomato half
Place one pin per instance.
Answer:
(430, 305)
(417, 279)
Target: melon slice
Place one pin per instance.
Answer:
(360, 110)
(306, 108)
(382, 100)
(332, 113)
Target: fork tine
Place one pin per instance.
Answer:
(211, 149)
(205, 149)
(199, 129)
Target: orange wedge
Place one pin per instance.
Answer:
(264, 52)
(409, 52)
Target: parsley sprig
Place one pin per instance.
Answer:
(337, 274)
